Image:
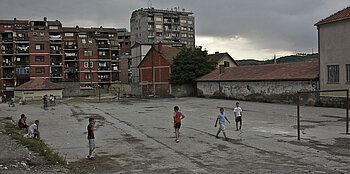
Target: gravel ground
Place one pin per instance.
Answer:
(15, 158)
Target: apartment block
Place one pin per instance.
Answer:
(154, 25)
(46, 49)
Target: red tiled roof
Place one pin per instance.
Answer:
(218, 56)
(340, 15)
(169, 53)
(38, 84)
(290, 71)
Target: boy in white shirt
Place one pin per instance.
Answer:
(34, 130)
(238, 116)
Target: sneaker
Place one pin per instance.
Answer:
(236, 129)
(88, 156)
(92, 158)
(225, 139)
(216, 136)
(177, 141)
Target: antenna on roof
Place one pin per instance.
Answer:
(149, 4)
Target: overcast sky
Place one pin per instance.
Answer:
(244, 28)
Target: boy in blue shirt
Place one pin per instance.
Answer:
(221, 118)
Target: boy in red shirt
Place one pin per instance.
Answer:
(178, 116)
(22, 122)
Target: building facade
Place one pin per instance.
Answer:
(154, 25)
(223, 59)
(155, 70)
(45, 49)
(334, 44)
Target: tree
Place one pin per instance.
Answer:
(189, 64)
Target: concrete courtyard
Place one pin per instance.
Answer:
(137, 136)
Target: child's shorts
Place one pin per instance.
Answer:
(222, 127)
(238, 119)
(92, 144)
(177, 125)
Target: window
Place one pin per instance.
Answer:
(150, 34)
(82, 36)
(7, 26)
(190, 22)
(184, 42)
(110, 35)
(39, 46)
(88, 53)
(69, 43)
(39, 58)
(158, 19)
(40, 70)
(158, 26)
(102, 53)
(183, 21)
(88, 76)
(190, 29)
(159, 34)
(53, 27)
(42, 34)
(35, 33)
(126, 43)
(68, 34)
(150, 27)
(347, 73)
(90, 41)
(183, 35)
(226, 64)
(22, 70)
(333, 73)
(86, 65)
(150, 19)
(190, 36)
(83, 41)
(183, 28)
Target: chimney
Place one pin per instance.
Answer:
(77, 27)
(45, 19)
(221, 69)
(216, 52)
(15, 19)
(274, 59)
(101, 27)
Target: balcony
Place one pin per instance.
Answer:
(73, 47)
(55, 37)
(55, 52)
(10, 51)
(150, 36)
(7, 65)
(22, 40)
(150, 28)
(104, 69)
(8, 76)
(22, 52)
(56, 64)
(56, 75)
(22, 27)
(9, 88)
(71, 70)
(39, 27)
(22, 62)
(23, 76)
(104, 80)
(103, 45)
(150, 21)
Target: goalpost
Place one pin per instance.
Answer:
(319, 91)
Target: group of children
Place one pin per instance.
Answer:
(32, 129)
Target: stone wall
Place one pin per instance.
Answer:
(265, 91)
(131, 89)
(183, 90)
(72, 89)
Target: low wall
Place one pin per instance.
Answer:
(265, 91)
(72, 89)
(182, 90)
(131, 89)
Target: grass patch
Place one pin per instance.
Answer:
(39, 147)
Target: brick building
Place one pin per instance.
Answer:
(45, 49)
(154, 70)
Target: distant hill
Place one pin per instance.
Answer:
(285, 59)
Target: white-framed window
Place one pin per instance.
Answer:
(53, 27)
(68, 34)
(88, 76)
(83, 41)
(190, 22)
(158, 26)
(190, 36)
(184, 42)
(102, 53)
(35, 34)
(86, 65)
(184, 35)
(348, 73)
(333, 73)
(82, 35)
(88, 53)
(42, 34)
(184, 28)
(7, 26)
(110, 35)
(39, 46)
(183, 21)
(158, 19)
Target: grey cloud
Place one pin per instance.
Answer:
(270, 24)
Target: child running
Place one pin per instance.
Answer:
(178, 116)
(238, 116)
(91, 137)
(221, 118)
